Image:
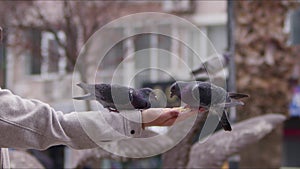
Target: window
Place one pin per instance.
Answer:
(164, 42)
(157, 50)
(142, 43)
(148, 54)
(53, 59)
(45, 55)
(218, 38)
(142, 59)
(295, 27)
(112, 58)
(35, 57)
(216, 41)
(178, 6)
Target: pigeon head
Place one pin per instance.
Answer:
(148, 93)
(175, 90)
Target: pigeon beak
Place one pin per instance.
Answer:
(153, 96)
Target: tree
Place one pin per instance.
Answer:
(265, 61)
(77, 20)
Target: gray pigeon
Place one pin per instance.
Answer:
(116, 97)
(213, 65)
(199, 94)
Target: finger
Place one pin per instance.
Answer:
(186, 114)
(169, 114)
(169, 122)
(165, 115)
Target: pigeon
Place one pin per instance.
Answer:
(206, 95)
(213, 65)
(116, 97)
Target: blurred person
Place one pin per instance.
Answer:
(32, 124)
(294, 105)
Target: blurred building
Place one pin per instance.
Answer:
(43, 66)
(41, 72)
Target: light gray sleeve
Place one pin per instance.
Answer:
(33, 124)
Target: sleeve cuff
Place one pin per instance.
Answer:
(132, 122)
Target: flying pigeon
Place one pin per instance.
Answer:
(213, 65)
(206, 95)
(116, 97)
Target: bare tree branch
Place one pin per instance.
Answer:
(48, 27)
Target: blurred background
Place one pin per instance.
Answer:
(258, 41)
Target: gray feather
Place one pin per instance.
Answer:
(198, 94)
(85, 97)
(116, 97)
(86, 87)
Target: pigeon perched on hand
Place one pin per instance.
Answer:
(116, 97)
(206, 95)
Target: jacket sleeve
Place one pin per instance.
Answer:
(33, 124)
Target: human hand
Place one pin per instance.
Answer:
(166, 116)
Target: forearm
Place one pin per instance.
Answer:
(33, 124)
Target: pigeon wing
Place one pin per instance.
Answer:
(113, 96)
(202, 92)
(195, 92)
(121, 95)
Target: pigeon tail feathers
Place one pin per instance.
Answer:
(84, 86)
(233, 103)
(237, 95)
(85, 97)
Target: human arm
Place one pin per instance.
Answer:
(28, 123)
